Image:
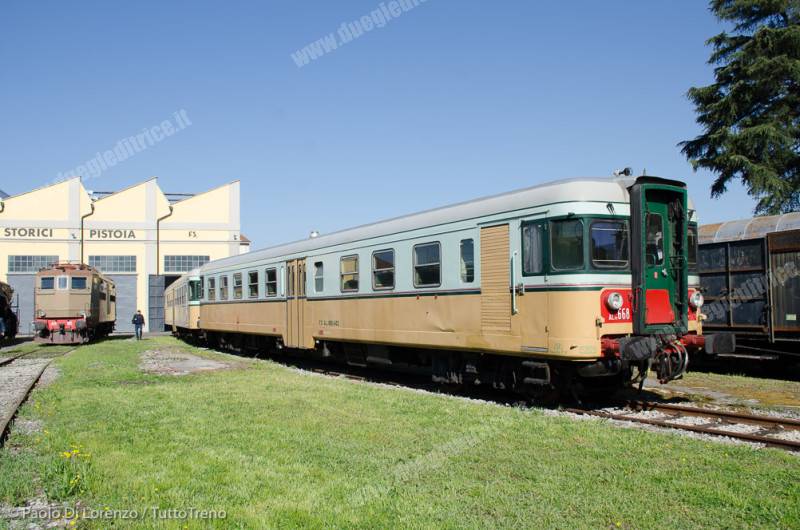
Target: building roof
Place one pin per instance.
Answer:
(754, 228)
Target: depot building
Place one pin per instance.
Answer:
(141, 237)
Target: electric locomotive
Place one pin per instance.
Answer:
(585, 282)
(74, 303)
(8, 320)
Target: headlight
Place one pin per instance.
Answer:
(697, 300)
(615, 301)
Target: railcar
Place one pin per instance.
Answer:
(576, 283)
(74, 303)
(750, 274)
(8, 319)
(182, 305)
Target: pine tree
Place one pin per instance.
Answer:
(750, 115)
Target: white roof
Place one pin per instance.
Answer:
(605, 189)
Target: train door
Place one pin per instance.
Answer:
(295, 303)
(660, 267)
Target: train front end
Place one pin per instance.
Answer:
(63, 304)
(662, 309)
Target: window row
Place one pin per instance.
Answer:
(427, 268)
(49, 283)
(184, 263)
(30, 263)
(427, 272)
(218, 288)
(112, 264)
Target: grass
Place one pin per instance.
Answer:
(275, 447)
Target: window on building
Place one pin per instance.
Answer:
(319, 277)
(349, 273)
(532, 260)
(566, 244)
(212, 289)
(467, 260)
(271, 282)
(47, 283)
(184, 263)
(610, 244)
(30, 263)
(78, 282)
(428, 265)
(383, 269)
(113, 264)
(237, 286)
(654, 248)
(223, 287)
(252, 284)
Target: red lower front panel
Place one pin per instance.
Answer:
(60, 331)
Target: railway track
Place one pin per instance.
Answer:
(18, 377)
(752, 428)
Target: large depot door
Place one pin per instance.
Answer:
(296, 302)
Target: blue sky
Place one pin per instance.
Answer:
(452, 100)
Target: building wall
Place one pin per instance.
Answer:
(123, 226)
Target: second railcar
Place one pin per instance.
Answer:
(74, 303)
(571, 283)
(182, 305)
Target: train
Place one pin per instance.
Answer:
(73, 304)
(8, 319)
(572, 285)
(750, 274)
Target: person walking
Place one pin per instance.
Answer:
(138, 324)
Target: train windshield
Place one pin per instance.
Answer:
(195, 292)
(62, 282)
(610, 244)
(48, 283)
(78, 282)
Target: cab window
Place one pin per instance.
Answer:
(566, 244)
(610, 244)
(532, 260)
(48, 283)
(692, 250)
(78, 282)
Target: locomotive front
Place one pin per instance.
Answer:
(660, 315)
(64, 296)
(8, 320)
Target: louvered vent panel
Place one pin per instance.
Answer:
(495, 280)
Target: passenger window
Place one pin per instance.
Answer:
(252, 284)
(532, 256)
(237, 286)
(349, 273)
(78, 283)
(654, 248)
(48, 283)
(212, 289)
(271, 282)
(223, 288)
(566, 244)
(467, 260)
(383, 269)
(610, 244)
(427, 265)
(62, 282)
(319, 277)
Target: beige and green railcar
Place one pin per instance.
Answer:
(182, 305)
(575, 280)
